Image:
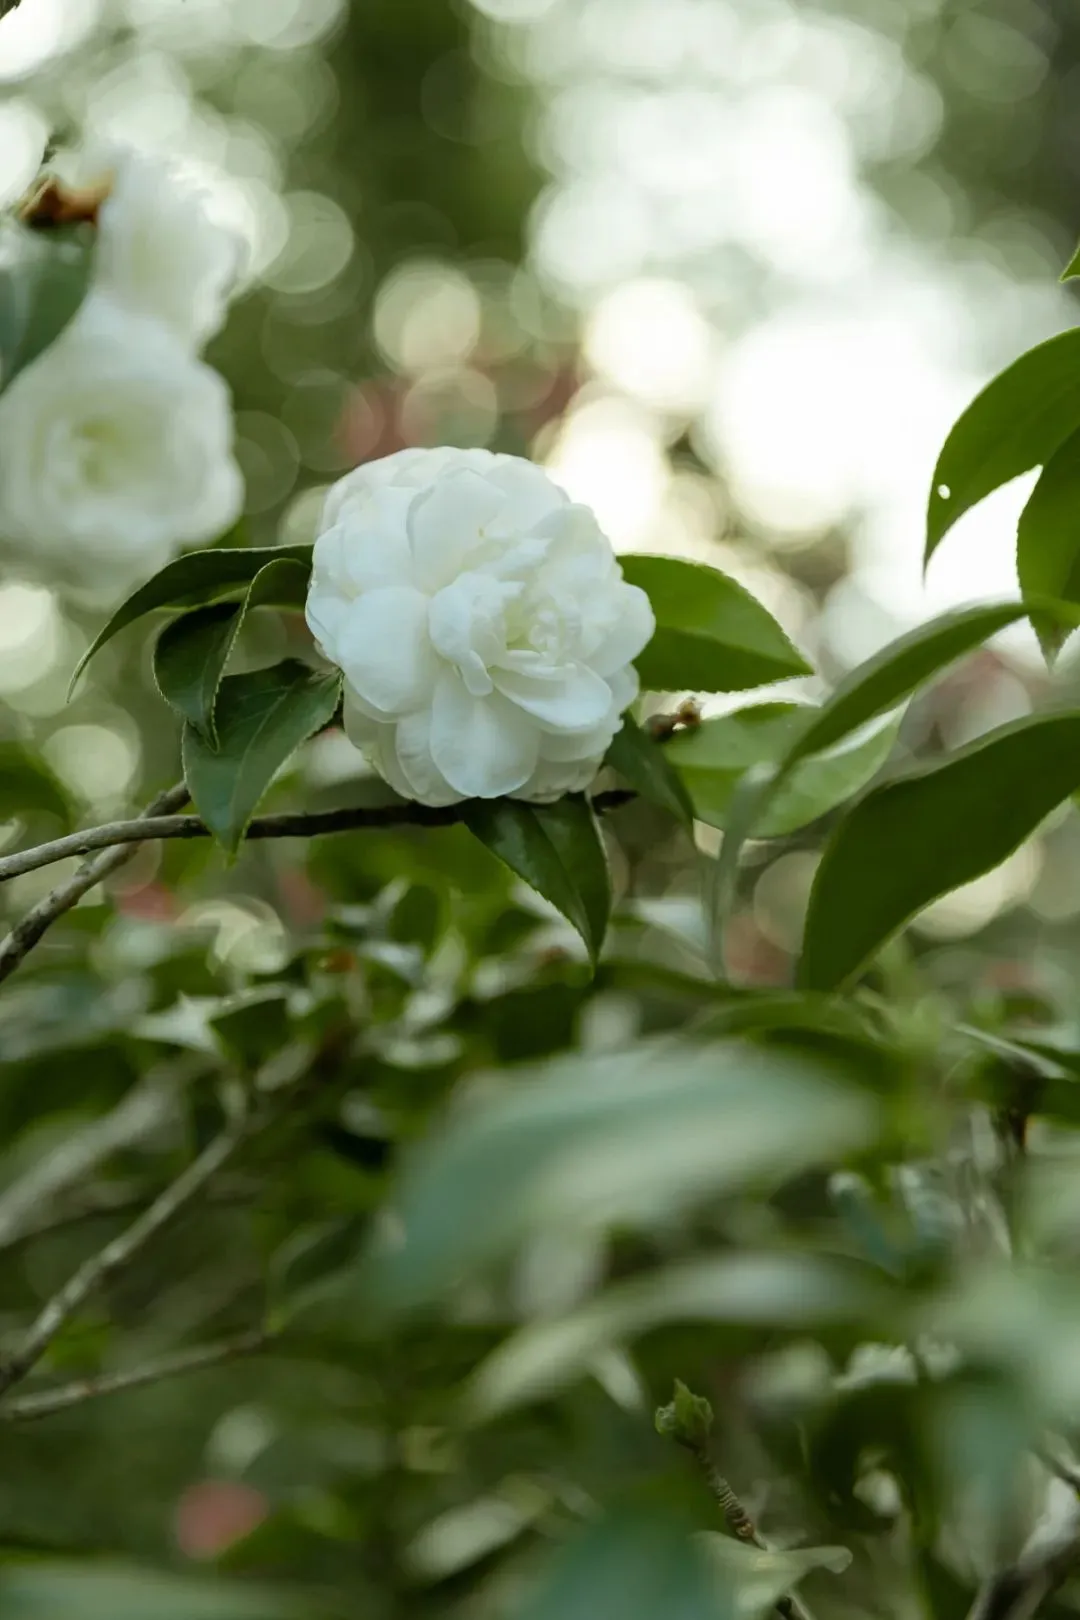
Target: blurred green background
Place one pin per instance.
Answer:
(729, 268)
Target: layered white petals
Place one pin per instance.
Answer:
(116, 447)
(481, 621)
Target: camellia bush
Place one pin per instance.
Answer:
(503, 1246)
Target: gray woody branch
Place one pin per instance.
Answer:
(118, 1254)
(50, 1401)
(302, 824)
(26, 933)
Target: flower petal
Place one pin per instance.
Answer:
(531, 493)
(385, 651)
(446, 524)
(412, 747)
(629, 636)
(484, 747)
(577, 699)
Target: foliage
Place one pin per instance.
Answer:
(436, 1140)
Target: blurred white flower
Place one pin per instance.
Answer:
(159, 252)
(116, 447)
(482, 623)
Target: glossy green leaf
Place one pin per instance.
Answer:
(711, 634)
(92, 1591)
(713, 758)
(873, 688)
(28, 787)
(1048, 542)
(41, 290)
(557, 849)
(643, 764)
(192, 651)
(189, 662)
(933, 830)
(624, 1137)
(764, 1291)
(636, 1566)
(262, 718)
(197, 578)
(1016, 423)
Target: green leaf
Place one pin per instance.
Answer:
(189, 661)
(1072, 269)
(624, 1137)
(40, 292)
(760, 1576)
(636, 1566)
(28, 787)
(252, 1027)
(261, 719)
(1016, 423)
(785, 1292)
(713, 758)
(711, 635)
(1048, 542)
(875, 687)
(557, 849)
(91, 1591)
(643, 764)
(930, 832)
(197, 578)
(192, 651)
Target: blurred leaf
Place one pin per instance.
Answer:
(40, 292)
(197, 578)
(785, 1291)
(91, 1592)
(1048, 542)
(462, 1536)
(591, 1142)
(262, 718)
(713, 757)
(931, 831)
(1072, 269)
(635, 1566)
(192, 651)
(417, 918)
(253, 1027)
(758, 1577)
(28, 787)
(557, 849)
(643, 764)
(1016, 423)
(711, 635)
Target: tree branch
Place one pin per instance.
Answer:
(1018, 1592)
(29, 1407)
(301, 824)
(26, 933)
(140, 1111)
(118, 1254)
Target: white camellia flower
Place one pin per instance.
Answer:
(482, 624)
(116, 447)
(159, 252)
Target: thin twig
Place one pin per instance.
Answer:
(114, 1203)
(49, 1401)
(26, 933)
(301, 824)
(1017, 1593)
(143, 1108)
(118, 1254)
